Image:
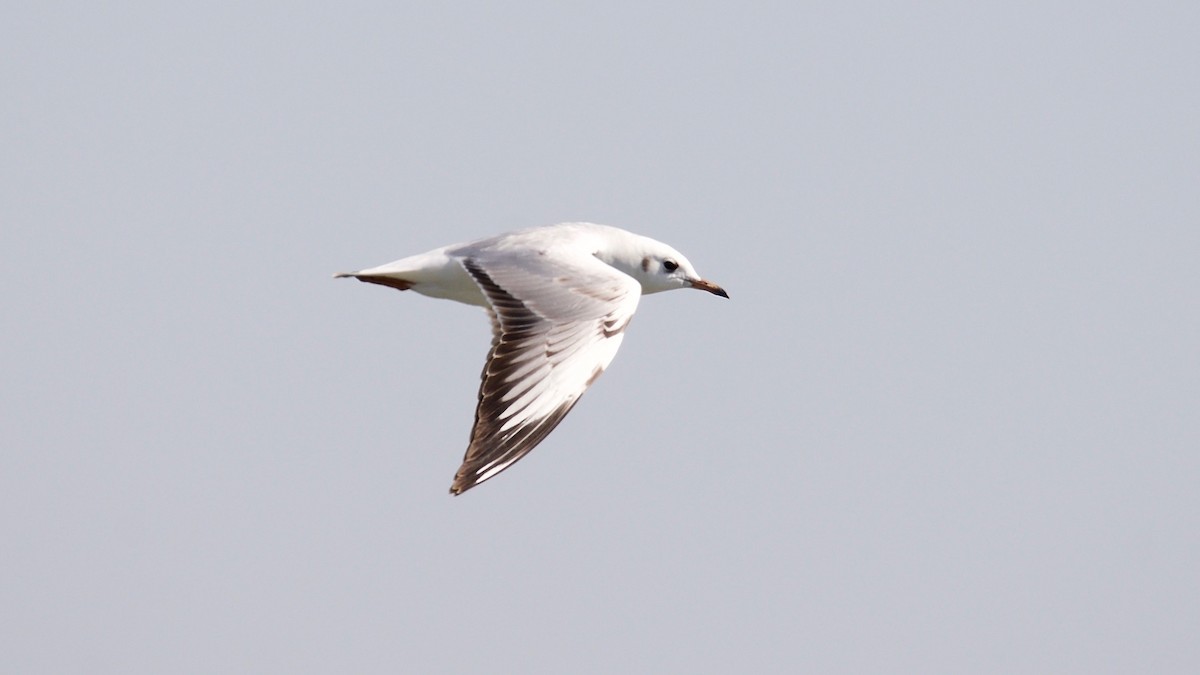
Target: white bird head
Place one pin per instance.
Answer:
(658, 267)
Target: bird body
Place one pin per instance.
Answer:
(559, 298)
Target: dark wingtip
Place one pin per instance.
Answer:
(463, 481)
(382, 280)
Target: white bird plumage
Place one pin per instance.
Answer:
(559, 298)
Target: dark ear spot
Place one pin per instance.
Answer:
(646, 264)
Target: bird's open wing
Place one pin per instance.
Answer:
(556, 325)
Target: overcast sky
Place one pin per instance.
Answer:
(949, 421)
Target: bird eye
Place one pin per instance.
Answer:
(670, 265)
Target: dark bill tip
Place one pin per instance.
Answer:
(710, 287)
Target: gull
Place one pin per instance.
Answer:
(559, 298)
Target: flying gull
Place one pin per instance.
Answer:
(559, 298)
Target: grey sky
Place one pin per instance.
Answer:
(947, 423)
